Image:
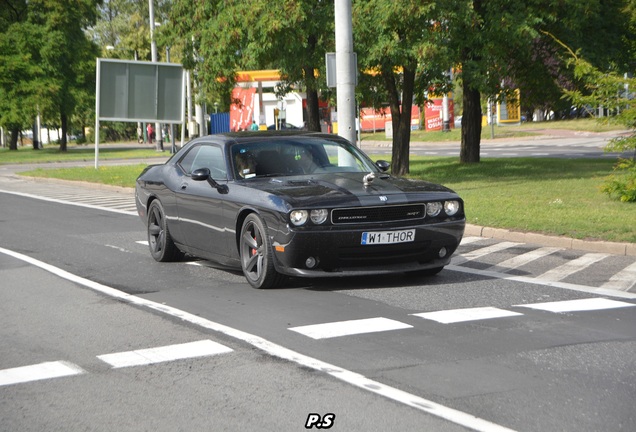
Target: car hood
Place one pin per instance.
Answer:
(337, 189)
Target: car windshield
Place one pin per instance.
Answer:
(297, 156)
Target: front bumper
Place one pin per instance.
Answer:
(340, 252)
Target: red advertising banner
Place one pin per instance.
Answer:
(242, 111)
(372, 119)
(433, 114)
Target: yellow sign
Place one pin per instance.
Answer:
(509, 111)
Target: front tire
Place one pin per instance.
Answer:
(162, 247)
(257, 259)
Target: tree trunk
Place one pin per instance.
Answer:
(36, 136)
(400, 118)
(313, 109)
(471, 126)
(64, 120)
(13, 143)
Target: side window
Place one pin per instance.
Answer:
(205, 156)
(186, 162)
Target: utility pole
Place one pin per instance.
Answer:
(345, 71)
(153, 54)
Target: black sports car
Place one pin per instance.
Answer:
(296, 204)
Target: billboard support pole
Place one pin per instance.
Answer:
(97, 101)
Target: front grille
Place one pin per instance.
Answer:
(357, 215)
(383, 254)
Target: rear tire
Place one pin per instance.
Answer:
(255, 249)
(162, 247)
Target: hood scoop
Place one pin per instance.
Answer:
(301, 183)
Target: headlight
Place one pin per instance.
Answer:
(318, 216)
(433, 209)
(298, 217)
(451, 207)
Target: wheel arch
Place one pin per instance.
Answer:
(240, 218)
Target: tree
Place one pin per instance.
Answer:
(296, 44)
(291, 36)
(400, 49)
(499, 41)
(64, 48)
(43, 58)
(23, 83)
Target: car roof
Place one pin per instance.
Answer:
(247, 136)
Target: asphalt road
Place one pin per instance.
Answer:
(481, 346)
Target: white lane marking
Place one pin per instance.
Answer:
(347, 328)
(590, 304)
(204, 348)
(469, 314)
(478, 253)
(42, 371)
(554, 284)
(120, 249)
(570, 267)
(130, 213)
(424, 405)
(142, 242)
(469, 240)
(523, 259)
(623, 280)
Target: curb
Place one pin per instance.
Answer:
(614, 248)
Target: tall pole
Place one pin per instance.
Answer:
(153, 54)
(345, 73)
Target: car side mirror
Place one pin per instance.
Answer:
(383, 165)
(203, 174)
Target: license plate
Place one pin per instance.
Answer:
(388, 237)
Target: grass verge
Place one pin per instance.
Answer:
(113, 175)
(52, 154)
(550, 196)
(511, 131)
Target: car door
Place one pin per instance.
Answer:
(200, 205)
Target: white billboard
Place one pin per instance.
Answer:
(134, 91)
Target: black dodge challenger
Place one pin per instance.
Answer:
(297, 204)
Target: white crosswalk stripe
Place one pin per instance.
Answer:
(347, 328)
(523, 259)
(463, 315)
(163, 354)
(590, 304)
(42, 371)
(479, 253)
(453, 316)
(578, 264)
(623, 280)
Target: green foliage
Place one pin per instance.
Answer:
(47, 64)
(622, 184)
(610, 90)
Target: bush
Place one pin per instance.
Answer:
(622, 184)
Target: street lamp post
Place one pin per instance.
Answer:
(345, 73)
(153, 54)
